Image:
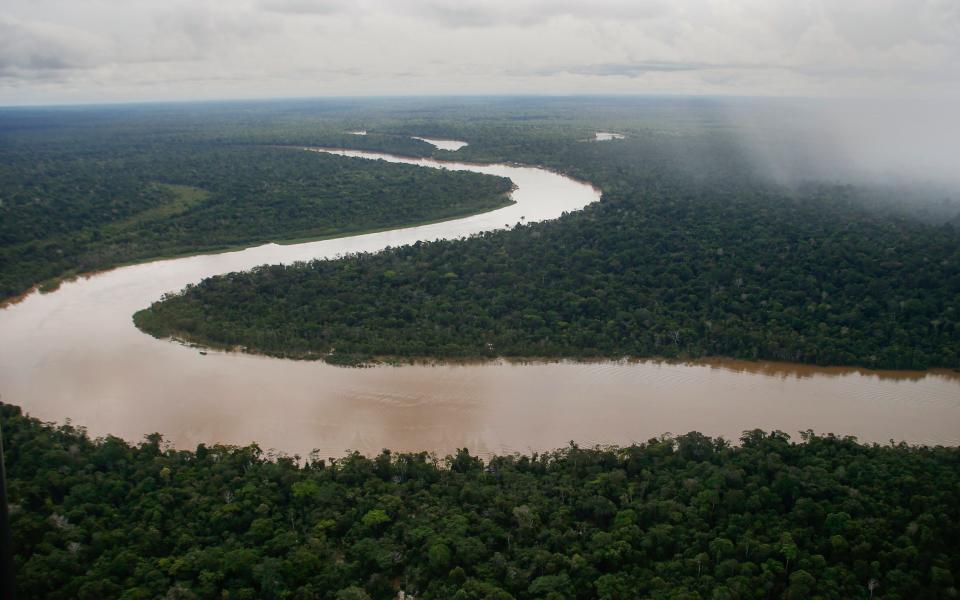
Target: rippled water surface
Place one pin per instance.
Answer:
(76, 354)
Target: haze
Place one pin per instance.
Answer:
(888, 67)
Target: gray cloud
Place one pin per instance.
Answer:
(246, 48)
(638, 69)
(32, 51)
(476, 13)
(310, 7)
(895, 23)
(483, 13)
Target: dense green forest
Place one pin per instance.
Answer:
(741, 274)
(686, 517)
(690, 253)
(699, 247)
(95, 202)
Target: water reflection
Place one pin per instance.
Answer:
(800, 371)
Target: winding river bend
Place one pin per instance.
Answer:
(75, 354)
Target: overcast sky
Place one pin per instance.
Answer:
(57, 51)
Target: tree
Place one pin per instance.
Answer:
(353, 593)
(788, 549)
(802, 585)
(721, 547)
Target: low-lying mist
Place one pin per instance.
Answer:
(857, 141)
(907, 151)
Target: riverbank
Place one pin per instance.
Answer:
(244, 195)
(608, 516)
(733, 364)
(76, 354)
(53, 285)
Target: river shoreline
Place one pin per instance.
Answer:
(54, 284)
(76, 354)
(730, 363)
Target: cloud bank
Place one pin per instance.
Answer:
(106, 50)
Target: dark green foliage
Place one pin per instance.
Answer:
(109, 202)
(692, 252)
(690, 517)
(655, 269)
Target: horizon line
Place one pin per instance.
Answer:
(401, 96)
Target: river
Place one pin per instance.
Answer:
(75, 353)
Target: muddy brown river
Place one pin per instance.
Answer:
(75, 354)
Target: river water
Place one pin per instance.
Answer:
(75, 354)
(452, 145)
(606, 136)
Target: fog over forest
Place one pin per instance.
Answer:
(855, 140)
(864, 91)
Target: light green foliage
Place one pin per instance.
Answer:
(306, 490)
(375, 518)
